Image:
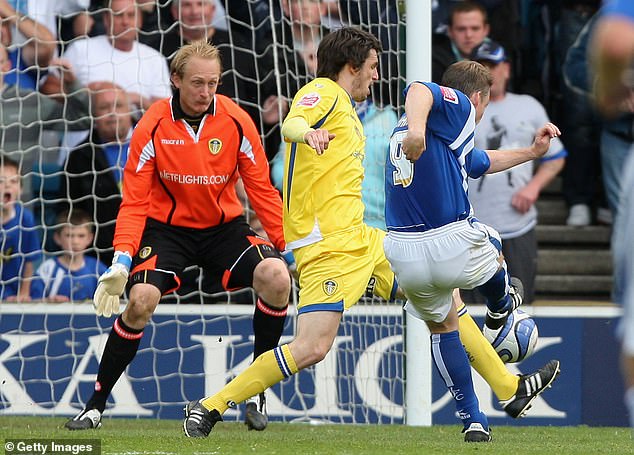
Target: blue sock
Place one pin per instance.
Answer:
(496, 291)
(452, 363)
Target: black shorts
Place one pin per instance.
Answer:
(227, 253)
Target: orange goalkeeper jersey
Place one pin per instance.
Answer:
(187, 178)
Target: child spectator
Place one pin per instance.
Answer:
(72, 275)
(19, 242)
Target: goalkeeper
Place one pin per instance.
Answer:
(179, 208)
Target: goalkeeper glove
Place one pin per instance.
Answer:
(111, 285)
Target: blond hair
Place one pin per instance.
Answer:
(200, 48)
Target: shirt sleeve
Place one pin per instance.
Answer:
(295, 128)
(477, 163)
(452, 116)
(137, 184)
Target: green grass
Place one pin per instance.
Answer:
(136, 437)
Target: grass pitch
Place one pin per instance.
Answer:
(137, 437)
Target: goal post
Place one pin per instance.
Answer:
(418, 396)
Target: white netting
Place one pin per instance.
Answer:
(49, 353)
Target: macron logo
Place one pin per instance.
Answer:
(173, 141)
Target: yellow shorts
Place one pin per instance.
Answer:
(337, 271)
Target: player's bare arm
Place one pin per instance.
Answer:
(505, 159)
(418, 104)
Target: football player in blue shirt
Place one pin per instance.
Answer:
(434, 243)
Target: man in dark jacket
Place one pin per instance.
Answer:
(468, 27)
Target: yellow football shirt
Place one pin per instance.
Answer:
(322, 193)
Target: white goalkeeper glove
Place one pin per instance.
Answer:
(111, 285)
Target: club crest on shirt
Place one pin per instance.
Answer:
(215, 145)
(329, 287)
(309, 100)
(145, 252)
(449, 94)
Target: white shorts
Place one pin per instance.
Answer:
(430, 265)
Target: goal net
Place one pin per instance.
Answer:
(201, 337)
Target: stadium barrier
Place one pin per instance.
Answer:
(49, 356)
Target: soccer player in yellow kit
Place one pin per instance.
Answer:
(338, 256)
(336, 253)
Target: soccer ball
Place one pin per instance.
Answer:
(517, 338)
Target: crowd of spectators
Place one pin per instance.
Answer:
(76, 75)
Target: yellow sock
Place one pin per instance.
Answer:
(484, 358)
(267, 370)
